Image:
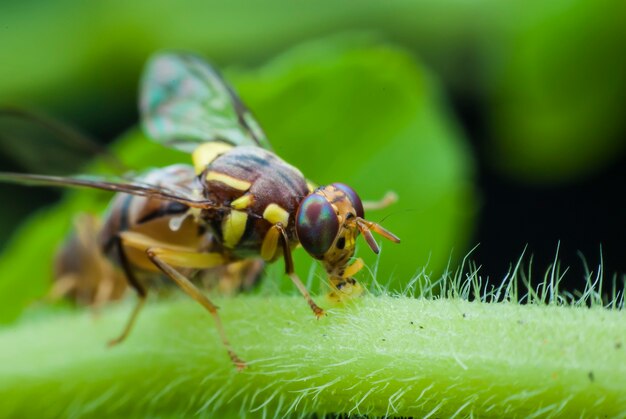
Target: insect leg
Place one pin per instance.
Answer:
(387, 200)
(161, 256)
(282, 236)
(344, 287)
(354, 268)
(236, 277)
(106, 282)
(62, 287)
(104, 292)
(92, 279)
(142, 293)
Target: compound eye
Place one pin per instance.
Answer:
(353, 197)
(316, 225)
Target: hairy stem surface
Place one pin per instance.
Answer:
(382, 355)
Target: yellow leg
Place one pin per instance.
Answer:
(92, 279)
(241, 276)
(142, 242)
(354, 268)
(62, 287)
(345, 287)
(387, 200)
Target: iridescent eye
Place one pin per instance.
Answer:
(352, 196)
(316, 225)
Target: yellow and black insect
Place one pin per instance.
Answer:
(238, 202)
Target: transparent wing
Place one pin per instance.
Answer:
(184, 102)
(176, 193)
(34, 142)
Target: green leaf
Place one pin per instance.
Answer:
(558, 97)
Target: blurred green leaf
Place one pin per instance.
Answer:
(559, 94)
(94, 53)
(342, 109)
(549, 77)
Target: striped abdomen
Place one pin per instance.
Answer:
(151, 217)
(83, 267)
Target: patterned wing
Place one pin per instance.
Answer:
(185, 102)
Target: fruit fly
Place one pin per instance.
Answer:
(239, 201)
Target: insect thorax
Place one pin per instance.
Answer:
(255, 189)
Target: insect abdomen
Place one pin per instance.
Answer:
(150, 216)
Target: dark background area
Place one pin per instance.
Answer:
(584, 219)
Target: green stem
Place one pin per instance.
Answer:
(382, 355)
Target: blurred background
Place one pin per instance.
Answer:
(497, 123)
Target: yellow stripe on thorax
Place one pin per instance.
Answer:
(275, 214)
(207, 152)
(244, 201)
(227, 180)
(233, 226)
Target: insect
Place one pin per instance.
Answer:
(239, 201)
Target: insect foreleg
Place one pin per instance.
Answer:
(282, 236)
(354, 268)
(390, 198)
(344, 287)
(158, 256)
